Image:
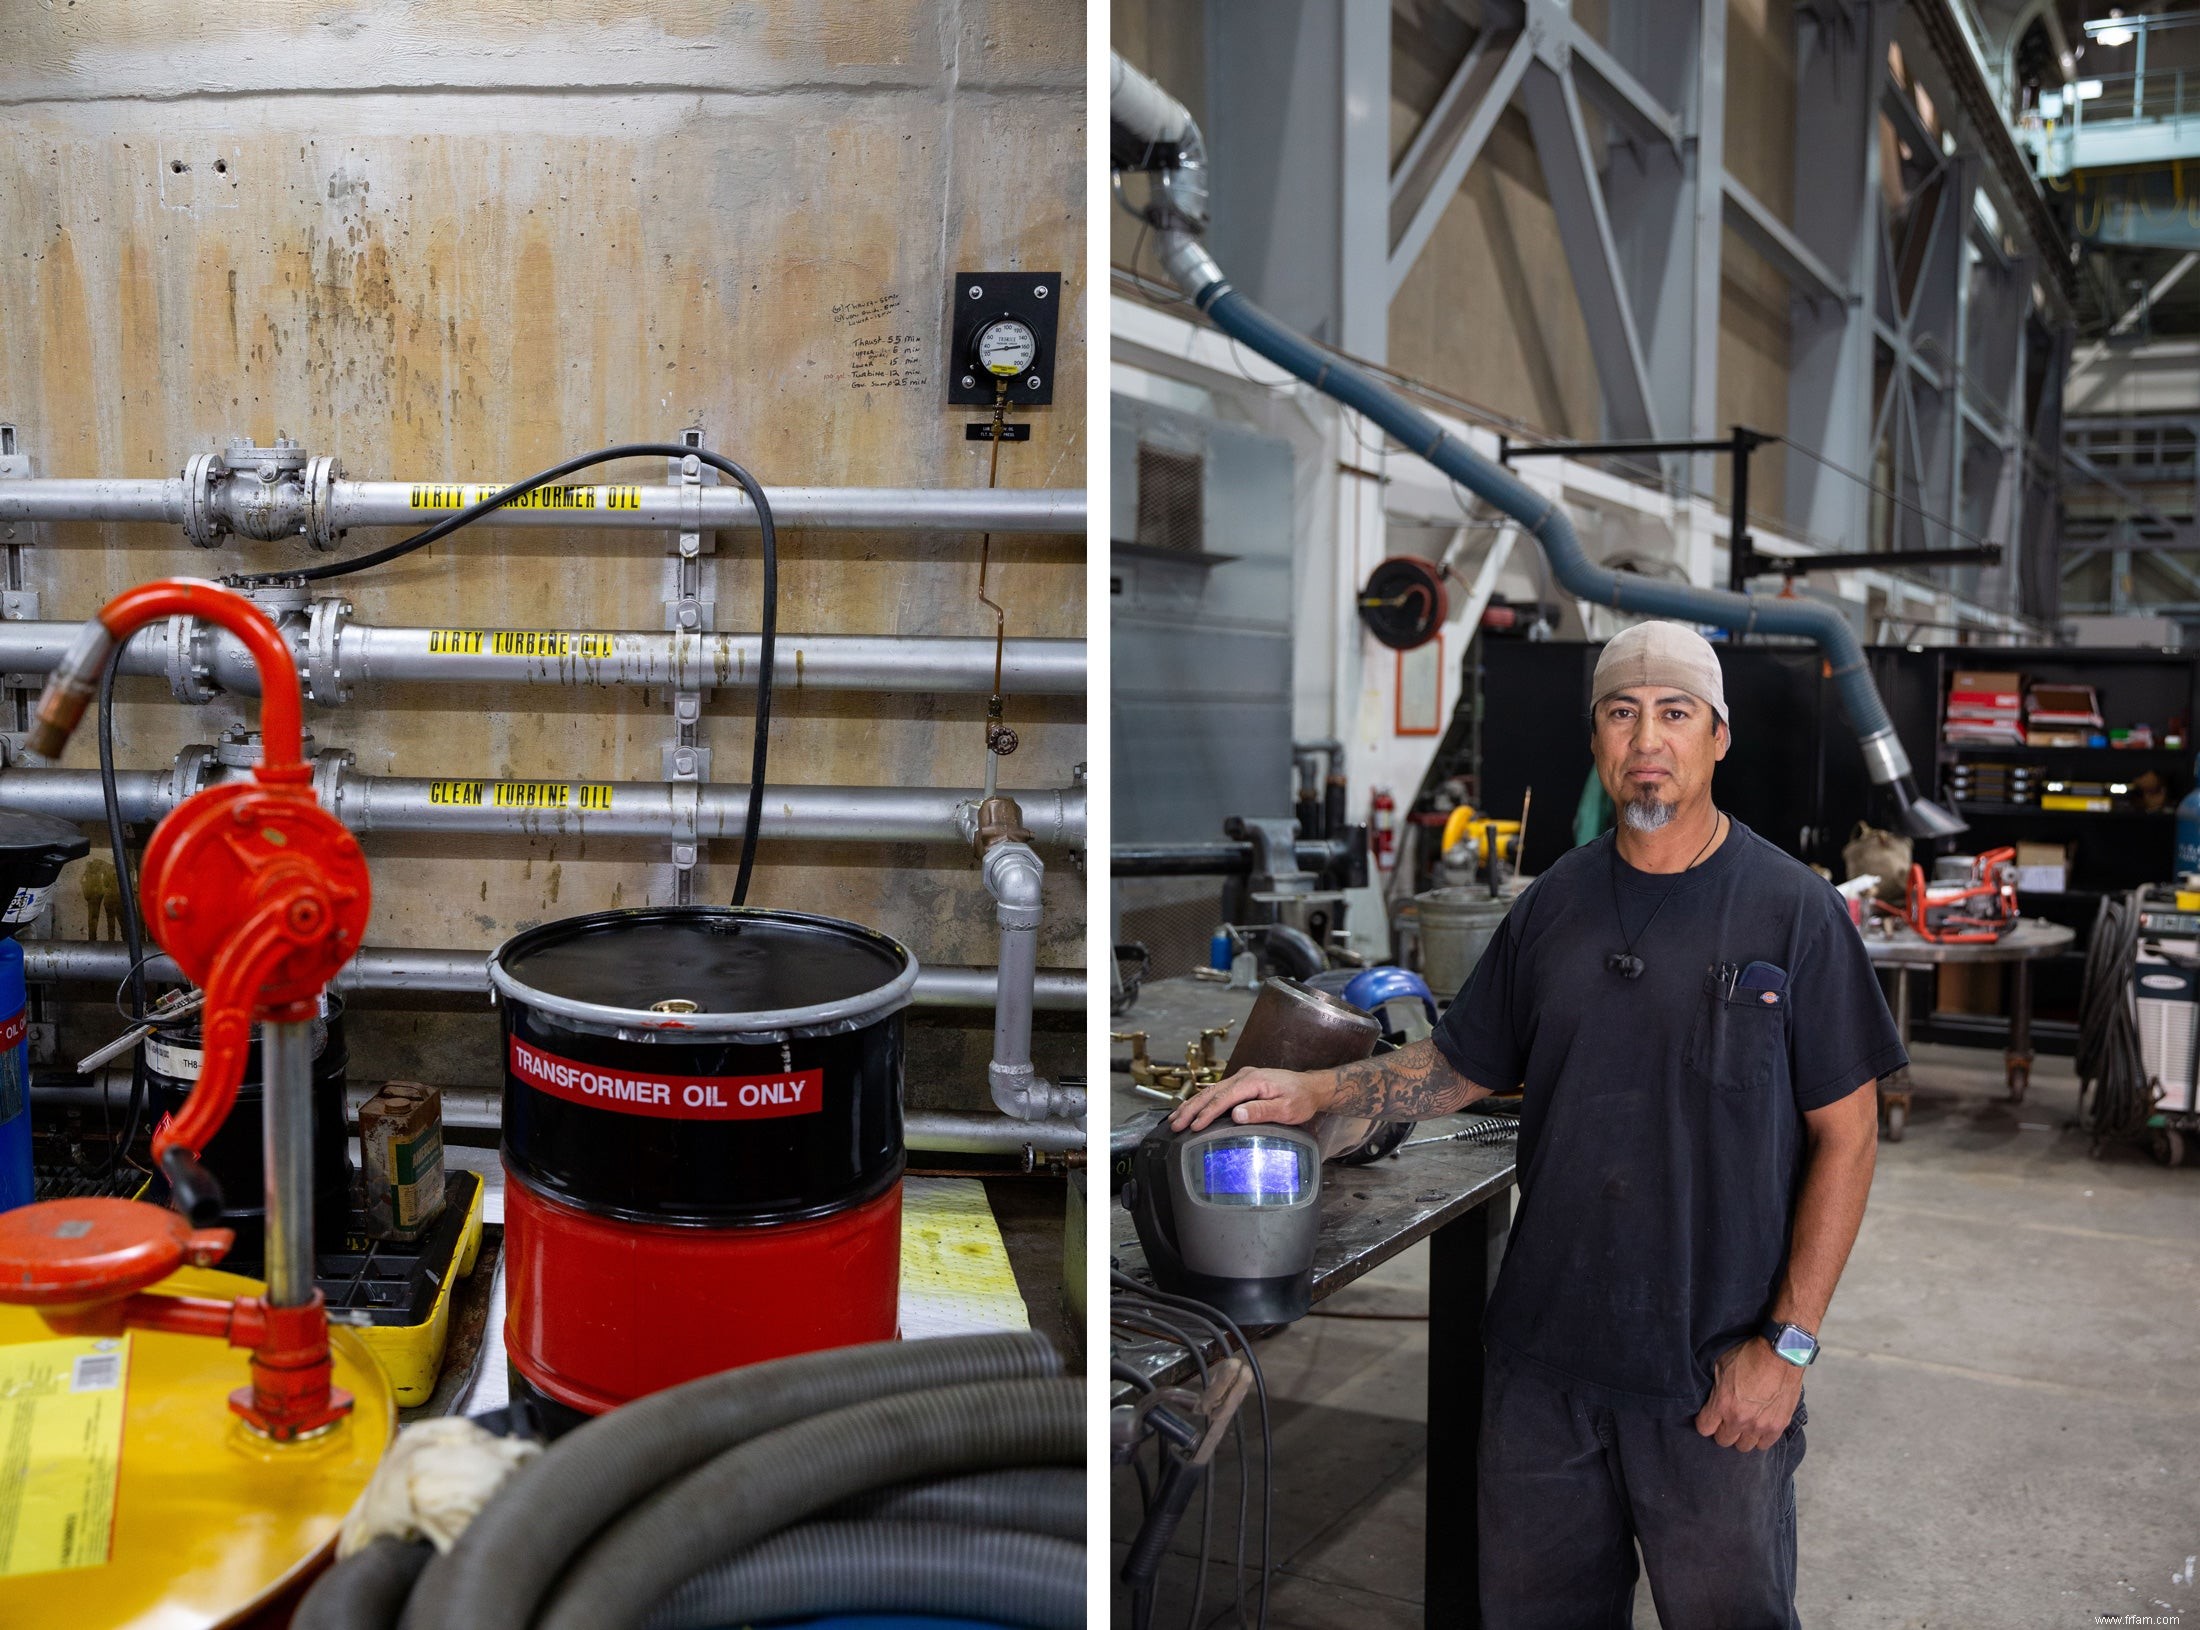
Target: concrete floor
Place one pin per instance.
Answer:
(1999, 1424)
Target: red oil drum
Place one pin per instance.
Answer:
(702, 1144)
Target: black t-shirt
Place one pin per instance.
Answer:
(1661, 1127)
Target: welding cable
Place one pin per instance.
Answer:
(2115, 1095)
(510, 1557)
(767, 616)
(1143, 1318)
(771, 1482)
(366, 1591)
(1031, 1499)
(933, 1568)
(1124, 1288)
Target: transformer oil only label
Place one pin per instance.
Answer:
(60, 1451)
(459, 497)
(670, 1097)
(550, 643)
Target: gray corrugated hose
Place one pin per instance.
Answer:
(366, 1592)
(1033, 1499)
(751, 1492)
(510, 1558)
(888, 1567)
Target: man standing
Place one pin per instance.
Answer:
(1695, 1029)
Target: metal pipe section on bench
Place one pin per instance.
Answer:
(348, 504)
(1144, 113)
(939, 985)
(1219, 859)
(684, 810)
(214, 663)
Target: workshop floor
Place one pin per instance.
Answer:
(2001, 1425)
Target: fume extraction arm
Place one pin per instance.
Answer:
(1152, 132)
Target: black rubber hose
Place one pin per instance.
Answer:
(510, 1556)
(783, 1477)
(1292, 951)
(767, 616)
(830, 1568)
(1032, 1499)
(367, 1591)
(133, 926)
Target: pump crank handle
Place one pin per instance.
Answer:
(197, 1195)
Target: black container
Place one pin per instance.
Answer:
(749, 1063)
(33, 849)
(234, 1154)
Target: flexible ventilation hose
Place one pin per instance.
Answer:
(510, 1557)
(367, 1591)
(1195, 272)
(764, 1485)
(888, 1567)
(1032, 1499)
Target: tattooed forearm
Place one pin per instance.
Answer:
(1415, 1083)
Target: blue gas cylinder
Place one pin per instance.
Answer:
(2188, 828)
(15, 1080)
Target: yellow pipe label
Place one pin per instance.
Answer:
(425, 496)
(60, 1451)
(586, 795)
(516, 642)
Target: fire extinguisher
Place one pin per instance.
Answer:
(1382, 829)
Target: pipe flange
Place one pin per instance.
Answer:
(193, 770)
(323, 671)
(321, 531)
(330, 767)
(190, 674)
(202, 473)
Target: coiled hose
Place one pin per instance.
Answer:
(1032, 1499)
(759, 1487)
(2115, 1096)
(889, 1567)
(509, 1562)
(368, 1589)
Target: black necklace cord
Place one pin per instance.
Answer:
(767, 617)
(1624, 962)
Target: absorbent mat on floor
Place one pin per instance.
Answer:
(955, 1277)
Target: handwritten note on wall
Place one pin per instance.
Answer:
(880, 357)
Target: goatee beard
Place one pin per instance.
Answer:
(1647, 813)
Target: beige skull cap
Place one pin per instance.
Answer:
(1671, 656)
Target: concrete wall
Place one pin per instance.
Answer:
(462, 240)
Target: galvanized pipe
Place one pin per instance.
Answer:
(910, 664)
(467, 972)
(286, 1139)
(479, 1109)
(648, 809)
(662, 508)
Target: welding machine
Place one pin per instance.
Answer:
(2166, 997)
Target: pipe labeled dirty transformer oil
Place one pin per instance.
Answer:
(702, 1144)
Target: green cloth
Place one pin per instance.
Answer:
(1594, 813)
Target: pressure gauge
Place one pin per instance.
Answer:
(1000, 343)
(1007, 347)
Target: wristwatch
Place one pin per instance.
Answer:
(1791, 1341)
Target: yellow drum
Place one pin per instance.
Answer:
(203, 1520)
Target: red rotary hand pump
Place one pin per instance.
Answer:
(260, 896)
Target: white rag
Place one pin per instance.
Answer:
(436, 1477)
